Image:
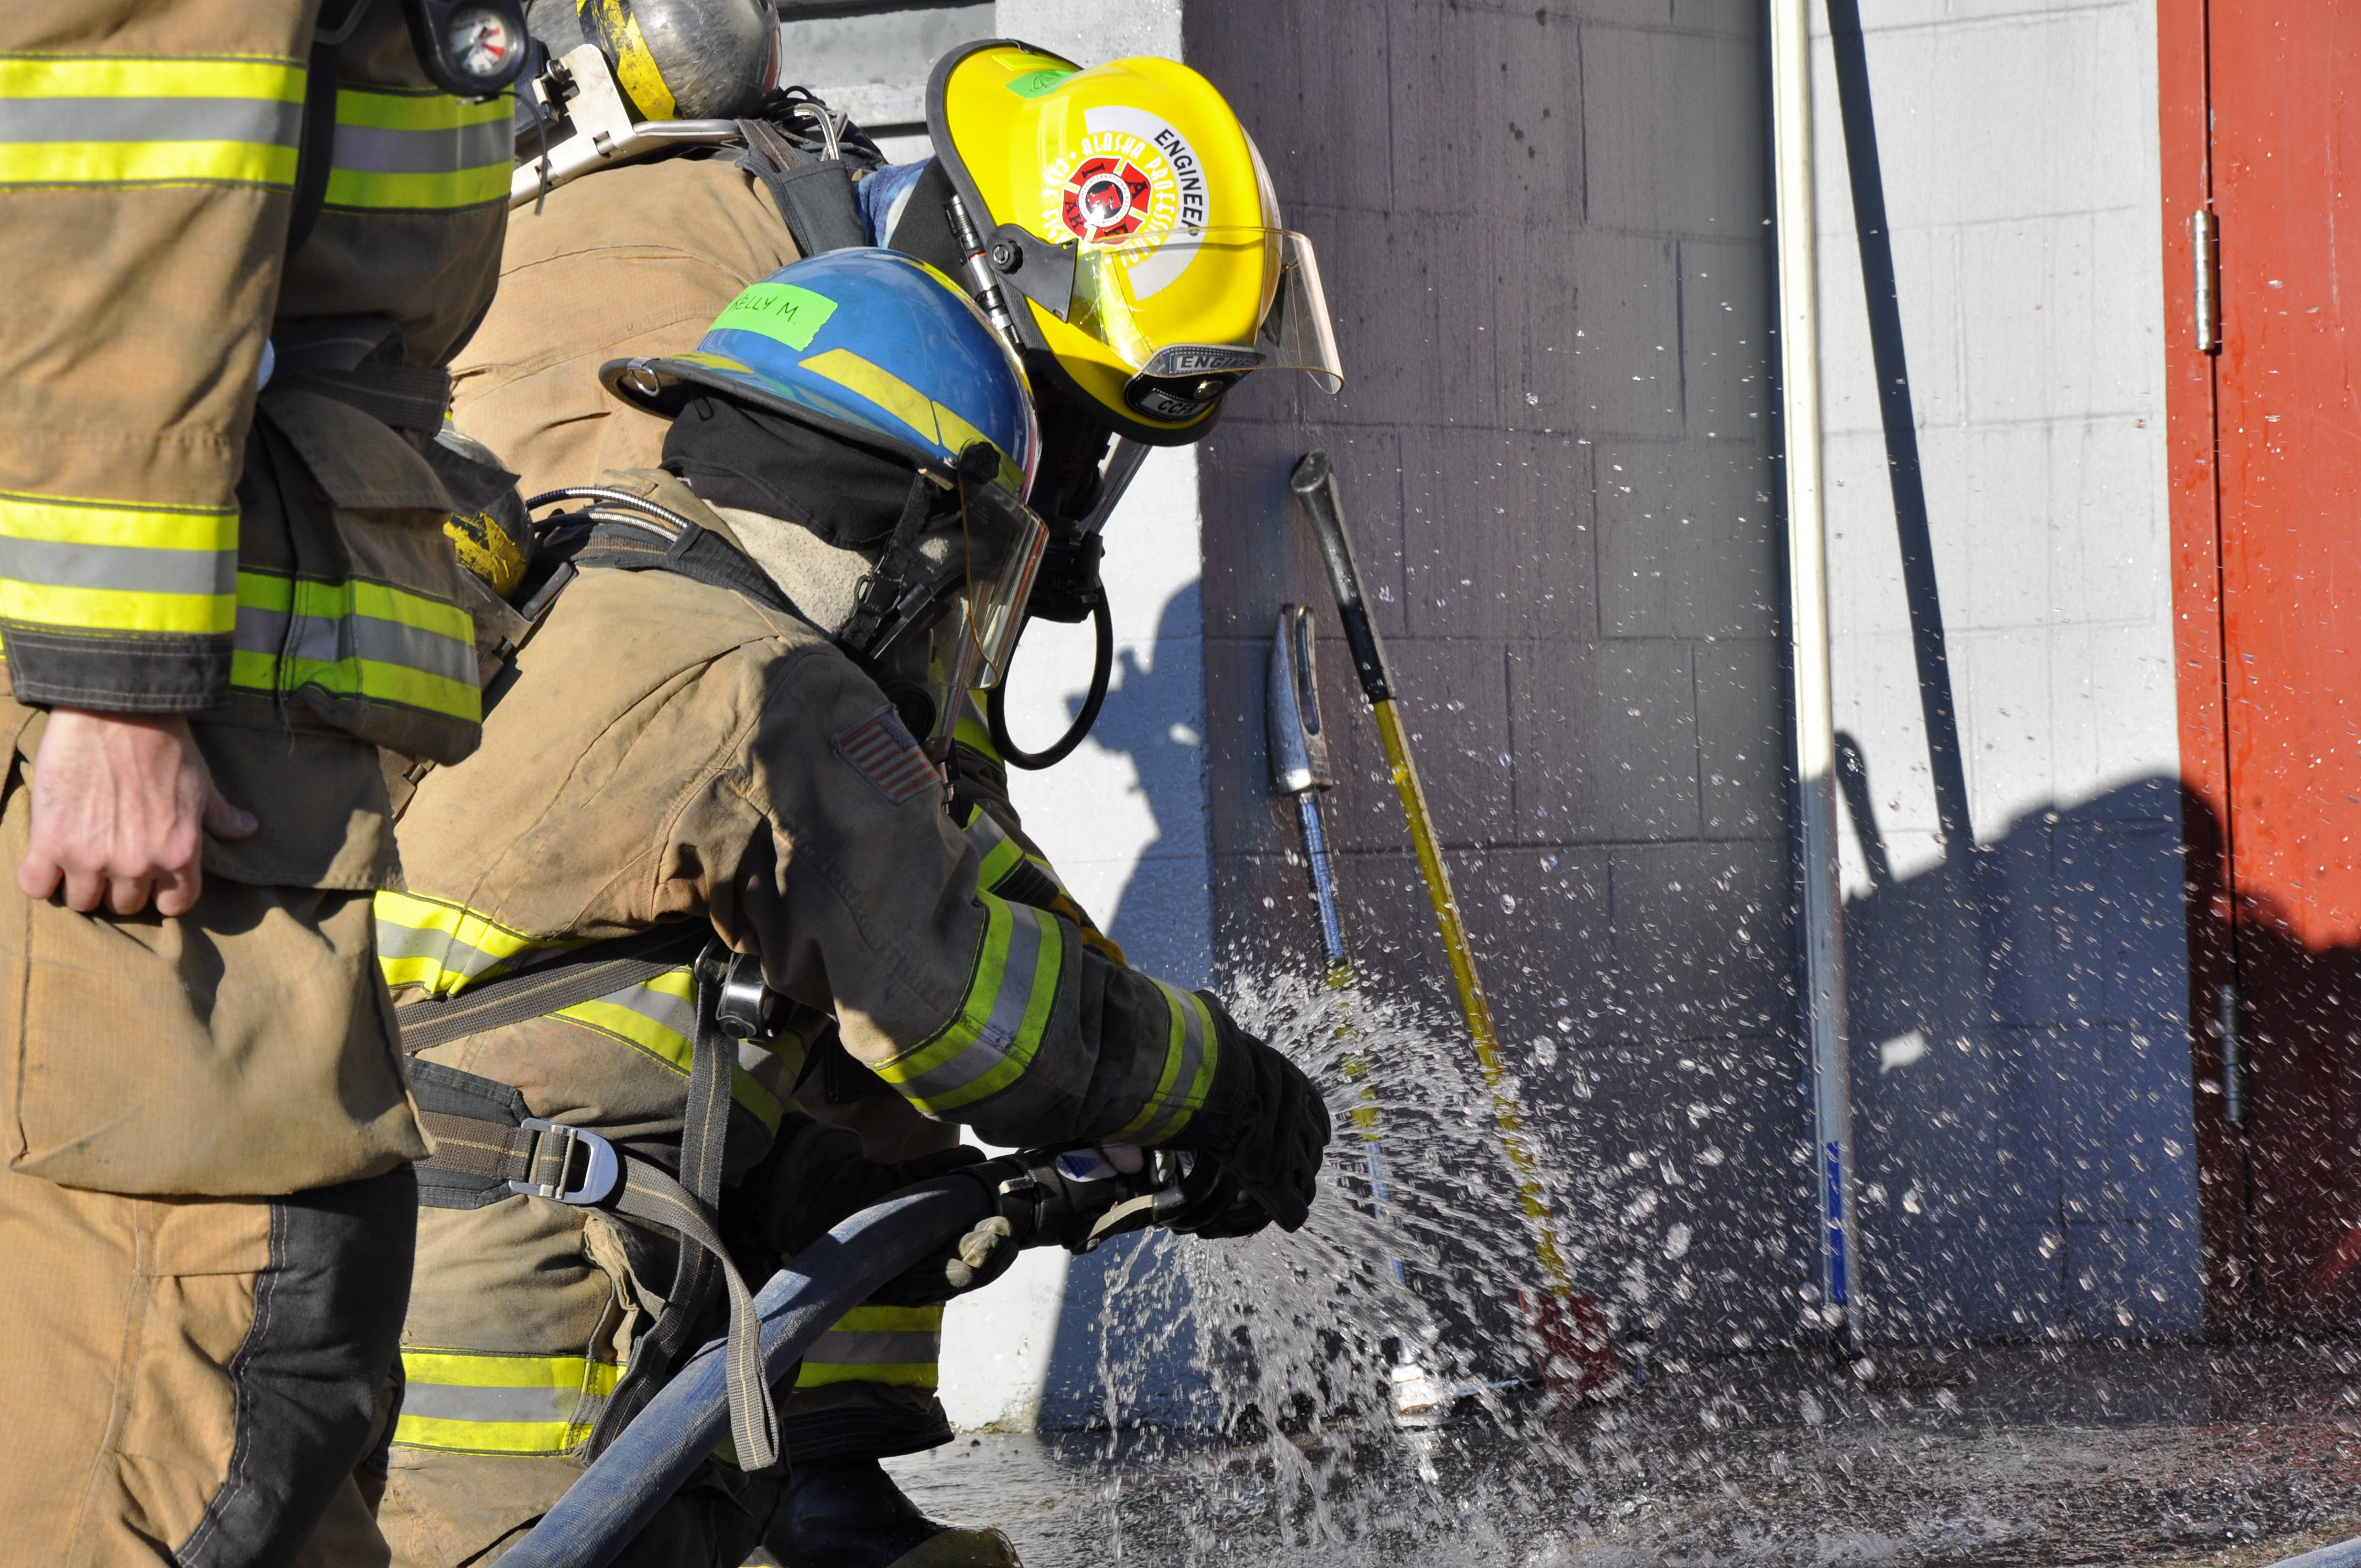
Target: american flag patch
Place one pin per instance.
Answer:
(882, 749)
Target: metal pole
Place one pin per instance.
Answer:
(1807, 635)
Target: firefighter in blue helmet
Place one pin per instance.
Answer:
(719, 759)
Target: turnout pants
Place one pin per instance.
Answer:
(867, 1386)
(206, 1210)
(196, 1380)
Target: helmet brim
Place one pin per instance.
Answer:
(666, 385)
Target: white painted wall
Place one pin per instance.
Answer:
(2039, 1166)
(1124, 819)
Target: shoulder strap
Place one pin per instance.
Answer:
(696, 553)
(582, 975)
(814, 195)
(316, 154)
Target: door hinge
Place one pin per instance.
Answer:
(2233, 1065)
(2204, 249)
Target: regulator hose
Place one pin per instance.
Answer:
(995, 702)
(614, 1500)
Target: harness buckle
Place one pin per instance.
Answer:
(602, 1170)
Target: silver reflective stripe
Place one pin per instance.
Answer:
(1193, 1057)
(991, 1043)
(151, 120)
(847, 1347)
(326, 641)
(380, 149)
(658, 1007)
(417, 942)
(261, 630)
(126, 568)
(462, 1402)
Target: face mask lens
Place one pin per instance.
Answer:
(1297, 334)
(1258, 305)
(1003, 551)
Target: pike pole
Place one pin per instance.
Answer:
(1575, 1351)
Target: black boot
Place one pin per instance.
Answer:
(847, 1513)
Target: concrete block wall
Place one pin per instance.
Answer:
(1542, 230)
(2019, 978)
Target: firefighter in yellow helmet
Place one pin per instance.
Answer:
(646, 199)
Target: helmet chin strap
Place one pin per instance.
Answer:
(881, 607)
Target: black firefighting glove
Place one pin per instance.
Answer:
(1263, 1123)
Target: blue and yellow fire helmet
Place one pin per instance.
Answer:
(870, 345)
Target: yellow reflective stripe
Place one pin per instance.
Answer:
(657, 1017)
(112, 119)
(361, 677)
(872, 1343)
(971, 732)
(103, 567)
(356, 637)
(479, 1403)
(871, 1318)
(1000, 854)
(438, 616)
(990, 1041)
(420, 152)
(130, 76)
(104, 609)
(905, 1373)
(447, 947)
(146, 163)
(416, 192)
(419, 111)
(1187, 1076)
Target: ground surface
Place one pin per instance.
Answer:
(2017, 1455)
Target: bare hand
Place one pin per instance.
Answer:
(118, 799)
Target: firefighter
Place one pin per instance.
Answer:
(706, 837)
(247, 241)
(617, 255)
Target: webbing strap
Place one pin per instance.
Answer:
(500, 1152)
(317, 152)
(583, 975)
(649, 1194)
(700, 554)
(814, 195)
(704, 1121)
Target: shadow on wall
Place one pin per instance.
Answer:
(2281, 1187)
(1124, 1347)
(2024, 1141)
(2020, 1063)
(1166, 754)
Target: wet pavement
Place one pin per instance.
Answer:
(2022, 1455)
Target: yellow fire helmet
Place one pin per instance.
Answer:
(1128, 221)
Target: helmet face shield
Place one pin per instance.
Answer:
(1004, 541)
(1113, 304)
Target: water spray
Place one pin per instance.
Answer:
(1299, 768)
(1577, 1355)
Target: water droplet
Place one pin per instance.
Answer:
(1507, 903)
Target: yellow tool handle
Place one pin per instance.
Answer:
(1316, 490)
(1506, 1114)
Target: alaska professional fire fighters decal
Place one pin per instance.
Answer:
(1134, 180)
(886, 756)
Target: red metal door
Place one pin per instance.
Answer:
(2266, 443)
